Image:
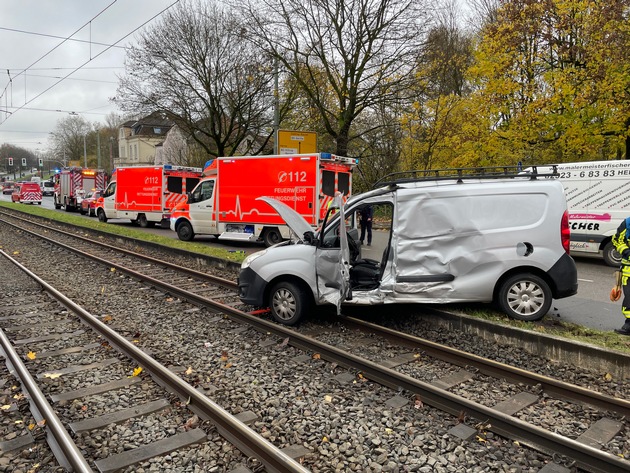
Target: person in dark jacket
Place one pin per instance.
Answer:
(620, 240)
(366, 224)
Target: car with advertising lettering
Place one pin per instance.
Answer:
(598, 196)
(27, 193)
(496, 236)
(224, 203)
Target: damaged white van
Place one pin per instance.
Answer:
(495, 237)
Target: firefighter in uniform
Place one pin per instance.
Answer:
(622, 244)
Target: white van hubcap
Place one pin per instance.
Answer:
(284, 304)
(525, 297)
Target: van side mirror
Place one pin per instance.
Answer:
(309, 238)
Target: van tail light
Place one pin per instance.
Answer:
(565, 232)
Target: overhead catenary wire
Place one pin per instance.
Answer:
(88, 61)
(69, 38)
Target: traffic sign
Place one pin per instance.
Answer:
(297, 142)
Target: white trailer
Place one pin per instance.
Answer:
(598, 197)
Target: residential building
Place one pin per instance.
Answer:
(138, 139)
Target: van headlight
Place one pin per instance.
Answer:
(250, 259)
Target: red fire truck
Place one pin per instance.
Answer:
(224, 203)
(146, 194)
(73, 183)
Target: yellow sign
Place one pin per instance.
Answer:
(297, 142)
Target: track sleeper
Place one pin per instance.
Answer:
(453, 379)
(463, 431)
(554, 468)
(47, 338)
(78, 368)
(50, 323)
(17, 443)
(118, 416)
(399, 360)
(93, 390)
(146, 452)
(514, 404)
(600, 433)
(65, 351)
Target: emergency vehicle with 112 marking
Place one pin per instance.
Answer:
(146, 195)
(224, 203)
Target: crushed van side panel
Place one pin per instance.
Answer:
(432, 228)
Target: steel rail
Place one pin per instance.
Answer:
(495, 369)
(63, 447)
(586, 457)
(215, 279)
(232, 429)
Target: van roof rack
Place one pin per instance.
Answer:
(489, 172)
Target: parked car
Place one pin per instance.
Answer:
(27, 193)
(7, 187)
(88, 204)
(48, 188)
(487, 238)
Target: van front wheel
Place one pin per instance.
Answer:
(185, 231)
(525, 297)
(611, 255)
(101, 216)
(288, 303)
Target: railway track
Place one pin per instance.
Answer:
(386, 369)
(43, 351)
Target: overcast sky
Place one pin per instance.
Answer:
(35, 55)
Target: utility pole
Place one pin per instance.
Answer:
(276, 106)
(98, 149)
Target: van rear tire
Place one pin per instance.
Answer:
(288, 303)
(143, 222)
(611, 255)
(525, 297)
(271, 237)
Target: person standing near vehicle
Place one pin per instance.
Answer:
(622, 244)
(366, 224)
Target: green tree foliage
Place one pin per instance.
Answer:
(552, 82)
(434, 123)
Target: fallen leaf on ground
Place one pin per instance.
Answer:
(52, 375)
(191, 423)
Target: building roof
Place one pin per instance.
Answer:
(155, 125)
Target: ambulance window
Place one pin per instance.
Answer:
(174, 184)
(328, 183)
(191, 182)
(111, 190)
(343, 183)
(203, 191)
